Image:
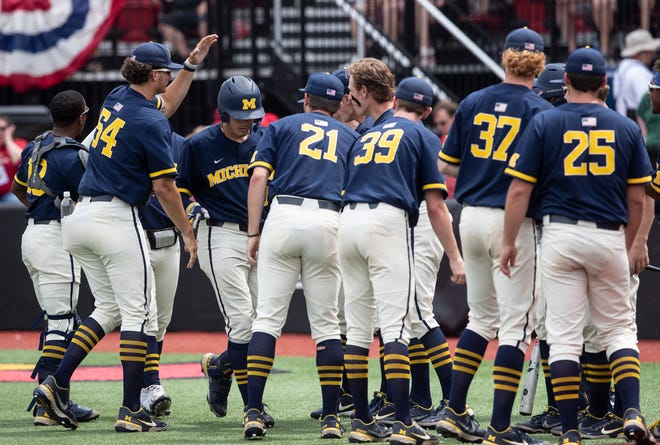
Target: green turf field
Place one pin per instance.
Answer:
(291, 393)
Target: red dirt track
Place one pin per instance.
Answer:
(289, 344)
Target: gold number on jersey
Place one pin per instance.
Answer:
(386, 141)
(43, 166)
(107, 132)
(593, 142)
(318, 134)
(487, 134)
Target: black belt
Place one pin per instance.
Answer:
(43, 222)
(296, 201)
(574, 222)
(99, 198)
(372, 205)
(242, 226)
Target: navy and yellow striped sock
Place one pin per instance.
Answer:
(381, 356)
(345, 387)
(507, 370)
(397, 372)
(133, 354)
(566, 386)
(420, 385)
(51, 356)
(88, 334)
(624, 365)
(437, 350)
(596, 370)
(237, 353)
(356, 362)
(151, 374)
(260, 358)
(545, 354)
(467, 358)
(329, 365)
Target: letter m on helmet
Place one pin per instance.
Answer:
(250, 104)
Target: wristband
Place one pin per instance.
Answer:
(189, 66)
(252, 235)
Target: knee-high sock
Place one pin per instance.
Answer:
(624, 365)
(397, 373)
(566, 386)
(151, 374)
(467, 358)
(420, 385)
(437, 349)
(381, 355)
(238, 357)
(51, 356)
(356, 362)
(545, 354)
(88, 334)
(507, 371)
(597, 373)
(260, 358)
(133, 354)
(329, 365)
(345, 387)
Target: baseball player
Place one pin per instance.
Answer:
(51, 165)
(486, 129)
(375, 247)
(307, 151)
(214, 171)
(105, 235)
(574, 156)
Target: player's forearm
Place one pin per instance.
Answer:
(635, 200)
(169, 197)
(648, 216)
(255, 201)
(448, 169)
(442, 226)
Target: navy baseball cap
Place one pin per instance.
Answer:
(415, 90)
(323, 85)
(586, 61)
(154, 54)
(524, 39)
(342, 75)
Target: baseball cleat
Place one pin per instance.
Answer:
(155, 401)
(137, 422)
(377, 402)
(634, 428)
(386, 413)
(344, 408)
(83, 413)
(219, 371)
(418, 412)
(510, 436)
(56, 401)
(541, 423)
(462, 426)
(570, 437)
(432, 419)
(254, 427)
(609, 425)
(412, 434)
(331, 428)
(373, 431)
(655, 429)
(42, 418)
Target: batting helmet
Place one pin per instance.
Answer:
(239, 98)
(550, 83)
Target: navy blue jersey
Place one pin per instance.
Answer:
(307, 153)
(365, 126)
(581, 158)
(487, 126)
(395, 163)
(214, 169)
(61, 170)
(387, 114)
(152, 215)
(131, 148)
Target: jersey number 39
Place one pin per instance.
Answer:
(106, 131)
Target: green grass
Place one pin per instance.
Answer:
(291, 394)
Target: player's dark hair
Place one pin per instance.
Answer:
(448, 105)
(135, 72)
(412, 107)
(523, 63)
(603, 92)
(321, 103)
(66, 107)
(376, 76)
(585, 82)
